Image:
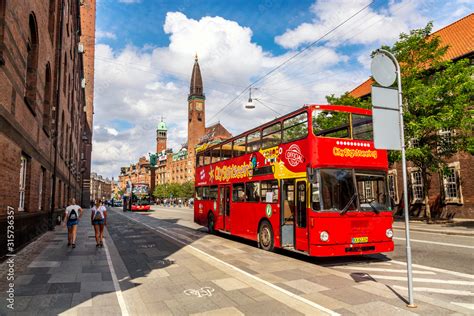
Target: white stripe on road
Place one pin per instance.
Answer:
(384, 270)
(438, 291)
(436, 243)
(459, 274)
(118, 291)
(422, 280)
(465, 305)
(295, 296)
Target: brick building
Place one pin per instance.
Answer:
(136, 173)
(179, 166)
(101, 188)
(44, 131)
(449, 195)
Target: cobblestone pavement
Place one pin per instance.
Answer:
(162, 268)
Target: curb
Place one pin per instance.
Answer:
(445, 232)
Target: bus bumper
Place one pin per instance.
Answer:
(140, 208)
(351, 249)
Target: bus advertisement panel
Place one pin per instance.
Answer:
(310, 181)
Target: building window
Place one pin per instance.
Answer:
(40, 188)
(445, 144)
(47, 99)
(32, 64)
(52, 10)
(392, 185)
(417, 186)
(452, 184)
(23, 179)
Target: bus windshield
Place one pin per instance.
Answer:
(345, 190)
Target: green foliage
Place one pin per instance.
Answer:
(175, 190)
(347, 99)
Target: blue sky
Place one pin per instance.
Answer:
(145, 51)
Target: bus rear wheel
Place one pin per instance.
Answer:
(210, 223)
(265, 236)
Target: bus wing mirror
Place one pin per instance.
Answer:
(311, 172)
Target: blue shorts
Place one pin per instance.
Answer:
(71, 223)
(98, 222)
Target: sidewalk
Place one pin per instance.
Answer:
(458, 227)
(61, 279)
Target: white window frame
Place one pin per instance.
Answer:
(415, 197)
(447, 134)
(393, 174)
(22, 186)
(456, 169)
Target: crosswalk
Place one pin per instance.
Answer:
(434, 283)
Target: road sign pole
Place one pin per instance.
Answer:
(405, 185)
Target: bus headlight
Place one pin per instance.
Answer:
(389, 233)
(324, 236)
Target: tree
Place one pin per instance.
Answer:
(437, 96)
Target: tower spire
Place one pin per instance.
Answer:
(196, 86)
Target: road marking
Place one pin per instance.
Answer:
(295, 296)
(465, 305)
(439, 291)
(422, 280)
(459, 274)
(436, 243)
(118, 291)
(384, 270)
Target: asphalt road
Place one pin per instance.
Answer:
(450, 252)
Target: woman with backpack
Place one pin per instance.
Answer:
(72, 214)
(99, 220)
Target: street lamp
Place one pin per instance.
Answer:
(250, 105)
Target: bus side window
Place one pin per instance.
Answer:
(295, 127)
(205, 193)
(238, 193)
(216, 154)
(213, 193)
(198, 193)
(253, 142)
(238, 147)
(252, 191)
(269, 191)
(226, 151)
(206, 157)
(271, 136)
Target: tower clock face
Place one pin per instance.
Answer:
(198, 106)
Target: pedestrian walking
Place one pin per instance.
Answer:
(72, 214)
(99, 220)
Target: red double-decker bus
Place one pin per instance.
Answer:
(310, 181)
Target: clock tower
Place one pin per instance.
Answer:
(196, 110)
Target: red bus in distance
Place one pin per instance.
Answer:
(310, 182)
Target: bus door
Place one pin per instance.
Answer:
(224, 206)
(301, 227)
(288, 213)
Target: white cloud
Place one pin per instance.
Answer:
(367, 27)
(104, 34)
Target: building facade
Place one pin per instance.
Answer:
(451, 195)
(44, 132)
(135, 173)
(101, 188)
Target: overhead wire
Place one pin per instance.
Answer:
(293, 57)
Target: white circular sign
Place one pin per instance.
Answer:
(383, 70)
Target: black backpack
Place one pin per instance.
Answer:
(72, 215)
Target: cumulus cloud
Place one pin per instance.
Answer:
(105, 35)
(369, 26)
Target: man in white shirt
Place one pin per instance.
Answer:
(71, 215)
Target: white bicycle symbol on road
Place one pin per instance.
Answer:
(202, 292)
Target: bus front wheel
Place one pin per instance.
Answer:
(265, 236)
(210, 223)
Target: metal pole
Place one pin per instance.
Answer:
(405, 185)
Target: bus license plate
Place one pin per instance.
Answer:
(359, 240)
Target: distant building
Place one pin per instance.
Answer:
(101, 188)
(179, 166)
(454, 192)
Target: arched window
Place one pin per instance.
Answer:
(52, 10)
(32, 64)
(47, 99)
